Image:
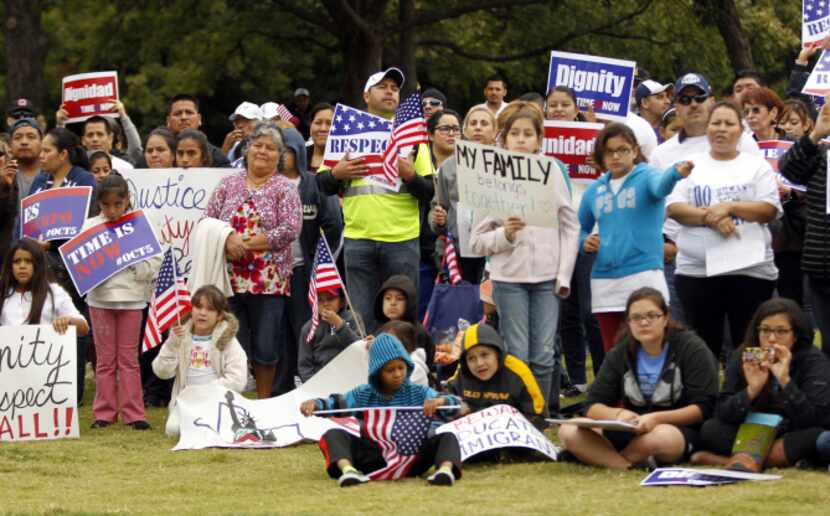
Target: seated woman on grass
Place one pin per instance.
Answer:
(788, 377)
(661, 378)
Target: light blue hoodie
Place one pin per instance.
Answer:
(630, 222)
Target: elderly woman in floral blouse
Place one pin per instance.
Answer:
(264, 210)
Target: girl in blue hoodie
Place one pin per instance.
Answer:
(628, 203)
(389, 386)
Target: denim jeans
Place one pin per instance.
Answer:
(577, 325)
(261, 326)
(528, 317)
(675, 306)
(369, 263)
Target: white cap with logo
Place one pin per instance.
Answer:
(392, 73)
(247, 110)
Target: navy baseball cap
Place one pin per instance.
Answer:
(648, 88)
(692, 79)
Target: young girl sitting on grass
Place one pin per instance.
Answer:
(115, 307)
(204, 350)
(347, 456)
(27, 295)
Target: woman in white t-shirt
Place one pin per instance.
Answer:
(725, 265)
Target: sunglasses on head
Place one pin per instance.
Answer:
(687, 99)
(433, 103)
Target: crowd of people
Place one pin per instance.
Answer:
(624, 275)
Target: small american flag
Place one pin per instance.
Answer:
(815, 22)
(286, 114)
(400, 435)
(819, 81)
(323, 276)
(170, 301)
(408, 130)
(452, 259)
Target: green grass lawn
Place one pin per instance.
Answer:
(118, 469)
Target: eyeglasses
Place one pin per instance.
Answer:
(687, 99)
(780, 333)
(621, 152)
(641, 318)
(433, 103)
(448, 129)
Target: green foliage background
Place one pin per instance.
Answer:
(226, 51)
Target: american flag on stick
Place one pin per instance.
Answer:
(286, 114)
(324, 276)
(169, 303)
(408, 130)
(451, 258)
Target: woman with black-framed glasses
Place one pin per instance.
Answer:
(775, 371)
(661, 378)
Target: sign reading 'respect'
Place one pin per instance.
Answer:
(599, 82)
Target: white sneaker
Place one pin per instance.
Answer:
(441, 478)
(352, 477)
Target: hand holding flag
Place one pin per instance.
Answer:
(409, 130)
(169, 303)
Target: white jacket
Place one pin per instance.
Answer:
(226, 355)
(207, 247)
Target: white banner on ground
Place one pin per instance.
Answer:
(500, 426)
(175, 198)
(38, 399)
(501, 183)
(213, 417)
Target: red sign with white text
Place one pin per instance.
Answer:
(89, 94)
(572, 143)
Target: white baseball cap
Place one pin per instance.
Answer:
(247, 110)
(269, 110)
(393, 73)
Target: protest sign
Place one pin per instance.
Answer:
(214, 417)
(38, 398)
(745, 248)
(773, 151)
(499, 426)
(89, 94)
(601, 82)
(572, 143)
(501, 183)
(177, 199)
(56, 214)
(815, 22)
(818, 83)
(107, 248)
(701, 477)
(359, 134)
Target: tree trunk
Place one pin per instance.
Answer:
(406, 48)
(724, 13)
(362, 56)
(25, 52)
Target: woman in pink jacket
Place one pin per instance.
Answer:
(530, 266)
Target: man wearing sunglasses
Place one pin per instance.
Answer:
(433, 101)
(692, 101)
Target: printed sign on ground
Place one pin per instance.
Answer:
(600, 82)
(177, 199)
(500, 426)
(501, 183)
(107, 248)
(89, 94)
(56, 214)
(214, 417)
(38, 398)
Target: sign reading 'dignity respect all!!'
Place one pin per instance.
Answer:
(501, 183)
(601, 83)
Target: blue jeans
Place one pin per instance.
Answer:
(261, 326)
(369, 263)
(528, 317)
(823, 446)
(577, 324)
(675, 306)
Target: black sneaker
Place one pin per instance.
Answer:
(567, 456)
(572, 392)
(140, 425)
(100, 423)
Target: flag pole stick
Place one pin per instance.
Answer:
(361, 409)
(357, 319)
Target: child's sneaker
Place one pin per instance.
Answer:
(351, 477)
(442, 477)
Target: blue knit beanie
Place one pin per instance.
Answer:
(387, 347)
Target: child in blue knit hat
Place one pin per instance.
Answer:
(348, 455)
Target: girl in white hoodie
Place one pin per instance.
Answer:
(203, 351)
(530, 266)
(115, 307)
